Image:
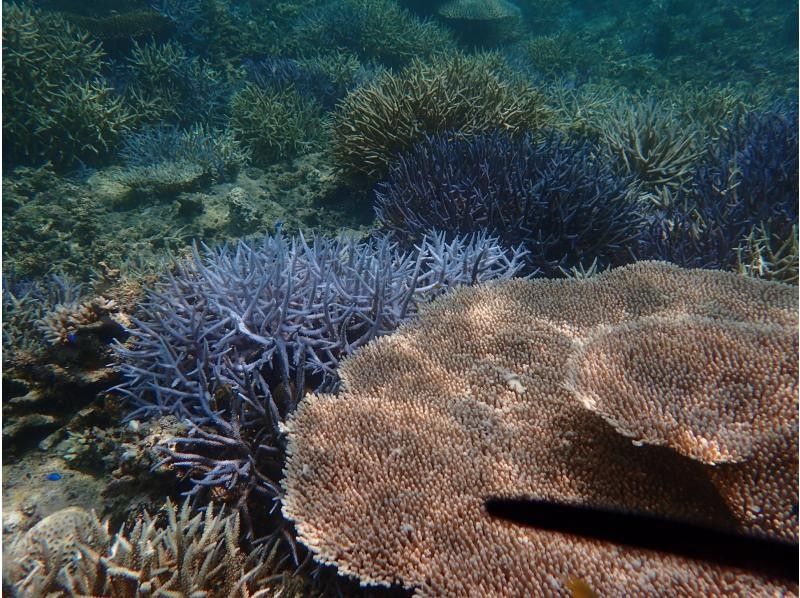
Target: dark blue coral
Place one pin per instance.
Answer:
(749, 178)
(551, 194)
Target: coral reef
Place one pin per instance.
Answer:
(217, 153)
(649, 142)
(57, 105)
(536, 389)
(162, 81)
(178, 552)
(326, 78)
(375, 30)
(231, 341)
(56, 338)
(54, 223)
(123, 26)
(275, 125)
(551, 195)
(482, 22)
(745, 189)
(466, 95)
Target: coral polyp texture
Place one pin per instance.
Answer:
(549, 193)
(232, 340)
(647, 389)
(466, 94)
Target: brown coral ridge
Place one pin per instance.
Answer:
(650, 388)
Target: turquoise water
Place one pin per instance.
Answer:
(209, 206)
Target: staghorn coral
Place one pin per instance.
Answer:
(746, 185)
(123, 26)
(765, 255)
(374, 30)
(232, 340)
(649, 142)
(556, 55)
(180, 553)
(57, 105)
(482, 22)
(466, 95)
(551, 195)
(164, 82)
(275, 125)
(326, 77)
(533, 389)
(217, 153)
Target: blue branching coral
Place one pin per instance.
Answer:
(551, 195)
(232, 339)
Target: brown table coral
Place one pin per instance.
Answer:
(649, 389)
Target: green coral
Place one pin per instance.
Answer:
(57, 106)
(465, 95)
(168, 84)
(375, 30)
(650, 142)
(558, 54)
(136, 23)
(763, 254)
(275, 124)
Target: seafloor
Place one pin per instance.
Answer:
(209, 206)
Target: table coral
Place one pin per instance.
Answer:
(648, 389)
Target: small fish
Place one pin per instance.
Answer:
(54, 477)
(278, 225)
(72, 337)
(580, 589)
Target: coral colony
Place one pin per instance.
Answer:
(552, 195)
(232, 340)
(521, 250)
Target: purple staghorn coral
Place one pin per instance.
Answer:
(232, 340)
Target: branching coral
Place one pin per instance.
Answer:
(483, 22)
(326, 78)
(179, 553)
(217, 153)
(275, 125)
(536, 389)
(375, 30)
(62, 324)
(649, 142)
(748, 182)
(25, 305)
(123, 26)
(459, 94)
(232, 340)
(552, 195)
(164, 82)
(765, 255)
(57, 106)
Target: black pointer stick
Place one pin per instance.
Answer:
(640, 530)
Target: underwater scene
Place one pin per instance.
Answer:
(399, 298)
